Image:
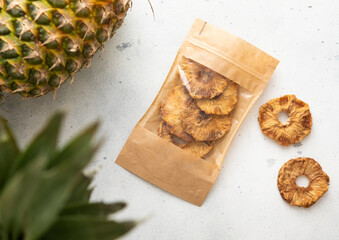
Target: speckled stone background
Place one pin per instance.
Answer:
(245, 202)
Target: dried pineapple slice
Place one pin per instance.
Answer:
(204, 127)
(163, 131)
(301, 196)
(172, 109)
(222, 104)
(200, 81)
(178, 141)
(165, 134)
(199, 149)
(297, 126)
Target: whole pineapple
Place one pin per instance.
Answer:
(44, 194)
(44, 42)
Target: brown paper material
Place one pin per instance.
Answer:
(170, 167)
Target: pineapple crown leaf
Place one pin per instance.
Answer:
(87, 228)
(17, 195)
(46, 194)
(61, 176)
(47, 138)
(9, 151)
(92, 209)
(62, 179)
(6, 135)
(78, 143)
(81, 192)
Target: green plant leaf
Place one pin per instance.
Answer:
(44, 144)
(93, 209)
(8, 151)
(87, 228)
(17, 196)
(61, 179)
(81, 192)
(85, 138)
(46, 194)
(3, 234)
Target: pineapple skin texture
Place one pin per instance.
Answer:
(45, 42)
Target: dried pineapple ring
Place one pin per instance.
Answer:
(178, 141)
(172, 109)
(300, 196)
(165, 134)
(222, 104)
(163, 131)
(200, 81)
(298, 125)
(199, 149)
(204, 127)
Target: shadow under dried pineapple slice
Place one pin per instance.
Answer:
(203, 127)
(172, 110)
(301, 196)
(297, 127)
(199, 149)
(222, 104)
(200, 81)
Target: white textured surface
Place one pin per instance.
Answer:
(244, 203)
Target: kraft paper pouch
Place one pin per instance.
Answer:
(167, 165)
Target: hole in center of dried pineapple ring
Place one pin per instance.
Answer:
(302, 181)
(284, 117)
